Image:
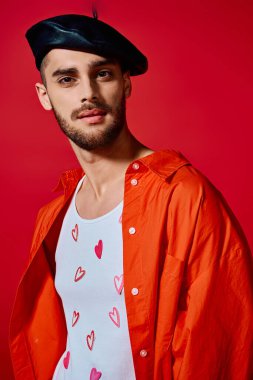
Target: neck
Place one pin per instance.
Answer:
(105, 167)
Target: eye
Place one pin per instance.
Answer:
(104, 74)
(66, 81)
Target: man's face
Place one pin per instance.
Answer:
(87, 94)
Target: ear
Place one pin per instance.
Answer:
(127, 84)
(43, 96)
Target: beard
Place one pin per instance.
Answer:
(98, 139)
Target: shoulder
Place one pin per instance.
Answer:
(48, 213)
(195, 197)
(196, 205)
(179, 176)
(193, 190)
(66, 185)
(202, 229)
(48, 210)
(190, 185)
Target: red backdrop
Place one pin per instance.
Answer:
(196, 98)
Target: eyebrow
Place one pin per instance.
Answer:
(74, 70)
(67, 71)
(101, 62)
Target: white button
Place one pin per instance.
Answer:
(134, 182)
(143, 353)
(134, 291)
(132, 230)
(136, 166)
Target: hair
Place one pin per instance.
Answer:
(43, 65)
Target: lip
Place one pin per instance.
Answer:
(95, 119)
(90, 114)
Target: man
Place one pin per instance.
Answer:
(139, 270)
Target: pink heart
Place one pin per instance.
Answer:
(80, 272)
(74, 232)
(99, 249)
(66, 360)
(114, 315)
(119, 283)
(75, 318)
(90, 339)
(95, 375)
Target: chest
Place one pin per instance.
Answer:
(91, 206)
(89, 256)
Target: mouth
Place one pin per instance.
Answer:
(93, 116)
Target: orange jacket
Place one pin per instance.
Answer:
(183, 250)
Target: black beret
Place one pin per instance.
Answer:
(83, 33)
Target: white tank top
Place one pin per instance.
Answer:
(89, 280)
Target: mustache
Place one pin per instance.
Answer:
(89, 107)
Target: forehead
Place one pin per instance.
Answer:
(62, 58)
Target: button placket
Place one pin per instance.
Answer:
(134, 181)
(135, 291)
(135, 166)
(143, 353)
(132, 230)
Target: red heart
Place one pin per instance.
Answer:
(90, 339)
(99, 249)
(119, 283)
(75, 318)
(114, 315)
(74, 232)
(94, 374)
(80, 272)
(66, 360)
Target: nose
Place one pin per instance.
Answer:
(88, 90)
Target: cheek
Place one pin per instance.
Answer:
(113, 95)
(62, 103)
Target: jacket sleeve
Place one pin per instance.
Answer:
(45, 217)
(214, 325)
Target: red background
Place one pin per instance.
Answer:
(196, 98)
